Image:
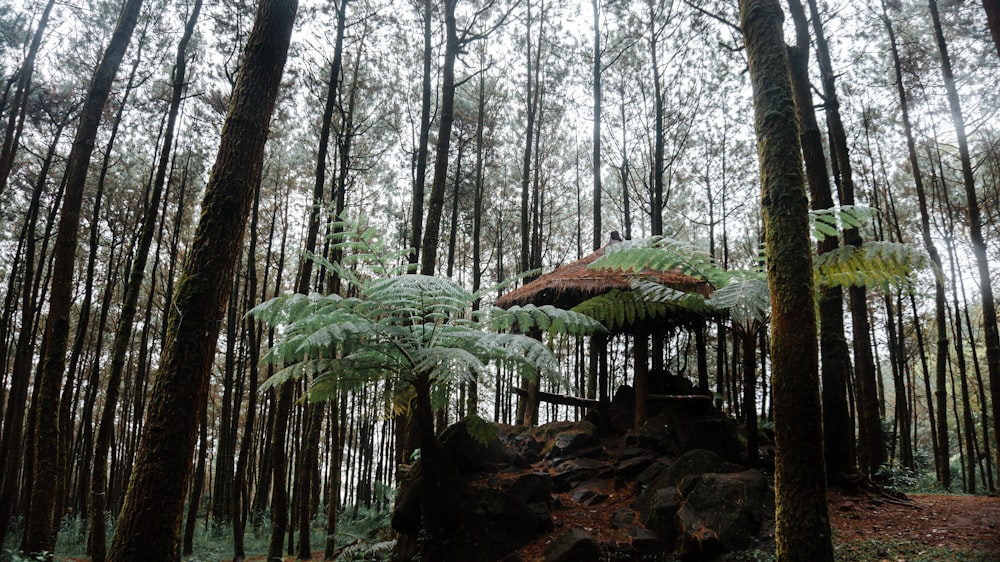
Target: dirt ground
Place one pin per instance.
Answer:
(967, 523)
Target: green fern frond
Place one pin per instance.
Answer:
(544, 318)
(875, 264)
(747, 301)
(660, 253)
(830, 222)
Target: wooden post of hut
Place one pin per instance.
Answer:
(640, 349)
(574, 283)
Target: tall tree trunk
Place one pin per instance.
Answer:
(802, 525)
(123, 332)
(967, 423)
(194, 495)
(18, 108)
(316, 211)
(992, 8)
(531, 101)
(749, 340)
(420, 177)
(990, 332)
(838, 428)
(10, 442)
(240, 492)
(279, 460)
(597, 125)
(871, 452)
(435, 204)
(149, 525)
(83, 321)
(312, 421)
(38, 531)
(941, 450)
(656, 200)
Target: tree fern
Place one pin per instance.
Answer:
(402, 327)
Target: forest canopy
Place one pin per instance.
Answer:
(169, 170)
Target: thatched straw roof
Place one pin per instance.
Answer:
(573, 283)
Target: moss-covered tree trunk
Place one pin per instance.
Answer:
(802, 520)
(149, 525)
(38, 530)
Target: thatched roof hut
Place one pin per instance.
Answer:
(573, 283)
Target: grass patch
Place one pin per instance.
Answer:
(864, 550)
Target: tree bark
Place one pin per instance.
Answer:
(802, 525)
(123, 332)
(992, 8)
(10, 442)
(838, 429)
(871, 451)
(18, 108)
(420, 178)
(148, 528)
(38, 531)
(597, 126)
(435, 204)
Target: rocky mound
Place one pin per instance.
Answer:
(580, 491)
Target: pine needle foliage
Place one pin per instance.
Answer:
(401, 326)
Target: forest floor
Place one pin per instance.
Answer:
(868, 526)
(871, 526)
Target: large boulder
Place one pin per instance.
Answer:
(723, 512)
(706, 505)
(472, 455)
(621, 412)
(482, 522)
(563, 439)
(679, 427)
(494, 524)
(575, 545)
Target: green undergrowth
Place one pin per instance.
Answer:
(876, 549)
(359, 527)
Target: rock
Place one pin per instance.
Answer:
(724, 512)
(572, 471)
(659, 434)
(698, 461)
(632, 467)
(650, 473)
(647, 544)
(679, 427)
(657, 514)
(535, 487)
(718, 434)
(576, 545)
(622, 518)
(621, 412)
(494, 524)
(589, 494)
(471, 456)
(570, 441)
